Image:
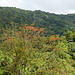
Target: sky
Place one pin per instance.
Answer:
(51, 6)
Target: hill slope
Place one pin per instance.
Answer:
(55, 24)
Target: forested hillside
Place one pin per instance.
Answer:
(55, 24)
(27, 46)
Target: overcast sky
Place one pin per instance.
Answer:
(52, 6)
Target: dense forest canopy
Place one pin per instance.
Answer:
(36, 42)
(54, 23)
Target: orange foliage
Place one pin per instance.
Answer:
(45, 31)
(53, 38)
(35, 36)
(18, 55)
(39, 36)
(45, 40)
(31, 28)
(24, 35)
(35, 29)
(17, 34)
(11, 38)
(38, 32)
(27, 27)
(41, 29)
(5, 34)
(29, 35)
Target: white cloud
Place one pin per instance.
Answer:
(12, 3)
(52, 6)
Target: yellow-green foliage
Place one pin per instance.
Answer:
(26, 51)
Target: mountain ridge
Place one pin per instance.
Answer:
(55, 24)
